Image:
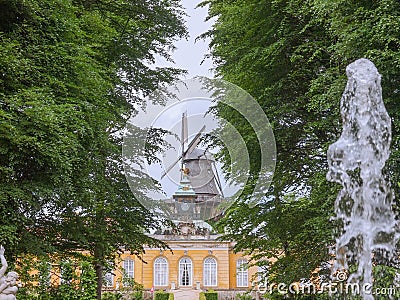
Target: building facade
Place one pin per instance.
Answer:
(196, 259)
(192, 262)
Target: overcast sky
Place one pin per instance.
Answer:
(190, 53)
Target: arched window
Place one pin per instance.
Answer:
(262, 274)
(160, 272)
(242, 277)
(210, 271)
(45, 274)
(185, 272)
(66, 272)
(129, 271)
(108, 279)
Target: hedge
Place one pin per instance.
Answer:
(210, 295)
(161, 295)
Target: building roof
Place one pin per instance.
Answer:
(185, 188)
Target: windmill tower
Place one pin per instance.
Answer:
(199, 194)
(202, 173)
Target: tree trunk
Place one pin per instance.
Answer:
(98, 263)
(99, 274)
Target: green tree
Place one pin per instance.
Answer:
(76, 279)
(291, 56)
(70, 72)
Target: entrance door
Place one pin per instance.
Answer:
(185, 272)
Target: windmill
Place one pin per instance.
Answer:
(199, 175)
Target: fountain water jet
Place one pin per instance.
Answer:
(364, 205)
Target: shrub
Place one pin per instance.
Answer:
(161, 295)
(211, 295)
(131, 289)
(202, 296)
(245, 296)
(111, 296)
(136, 295)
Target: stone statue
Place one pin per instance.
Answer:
(8, 288)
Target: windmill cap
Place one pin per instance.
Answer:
(199, 154)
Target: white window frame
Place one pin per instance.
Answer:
(108, 279)
(129, 267)
(242, 273)
(262, 274)
(210, 271)
(160, 271)
(62, 271)
(47, 280)
(185, 263)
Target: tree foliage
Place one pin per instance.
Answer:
(291, 56)
(70, 71)
(77, 281)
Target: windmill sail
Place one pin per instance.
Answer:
(184, 136)
(189, 149)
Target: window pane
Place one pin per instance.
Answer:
(108, 279)
(160, 272)
(262, 274)
(45, 274)
(210, 272)
(241, 273)
(129, 268)
(185, 272)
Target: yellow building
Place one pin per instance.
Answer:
(196, 262)
(197, 259)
